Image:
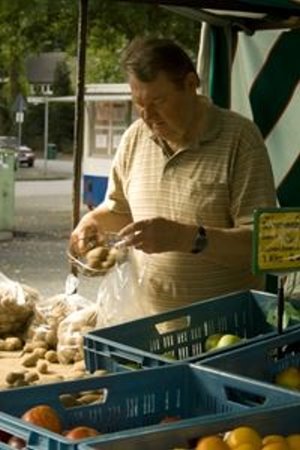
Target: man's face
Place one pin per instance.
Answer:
(165, 107)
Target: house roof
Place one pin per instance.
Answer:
(41, 68)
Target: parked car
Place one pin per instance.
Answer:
(25, 156)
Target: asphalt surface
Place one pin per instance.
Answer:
(36, 255)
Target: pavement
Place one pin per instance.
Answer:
(36, 254)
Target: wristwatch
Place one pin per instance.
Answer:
(200, 241)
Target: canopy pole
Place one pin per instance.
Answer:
(79, 113)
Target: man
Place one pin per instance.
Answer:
(184, 183)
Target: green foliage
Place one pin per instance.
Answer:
(33, 127)
(31, 27)
(61, 120)
(113, 24)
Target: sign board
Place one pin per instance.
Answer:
(276, 242)
(19, 117)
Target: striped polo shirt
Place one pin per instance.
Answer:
(217, 182)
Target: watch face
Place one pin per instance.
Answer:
(200, 241)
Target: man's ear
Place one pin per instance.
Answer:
(191, 81)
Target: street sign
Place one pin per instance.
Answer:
(276, 243)
(19, 117)
(19, 104)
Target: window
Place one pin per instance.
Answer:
(107, 121)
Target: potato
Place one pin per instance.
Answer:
(68, 400)
(30, 360)
(87, 399)
(66, 355)
(42, 366)
(31, 346)
(96, 256)
(12, 344)
(40, 352)
(31, 377)
(51, 356)
(14, 376)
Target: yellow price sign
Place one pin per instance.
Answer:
(276, 240)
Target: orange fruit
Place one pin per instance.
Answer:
(211, 443)
(272, 438)
(289, 378)
(246, 447)
(294, 441)
(243, 435)
(276, 446)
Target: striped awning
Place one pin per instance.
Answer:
(265, 87)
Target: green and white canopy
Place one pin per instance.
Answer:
(265, 87)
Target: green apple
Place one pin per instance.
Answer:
(228, 339)
(212, 341)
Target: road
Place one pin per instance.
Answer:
(43, 220)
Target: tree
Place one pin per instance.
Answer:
(62, 114)
(62, 82)
(111, 25)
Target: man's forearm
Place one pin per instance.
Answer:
(229, 247)
(108, 220)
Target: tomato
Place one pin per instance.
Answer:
(81, 432)
(44, 416)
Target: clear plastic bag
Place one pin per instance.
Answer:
(60, 322)
(120, 294)
(17, 305)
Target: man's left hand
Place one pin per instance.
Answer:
(159, 235)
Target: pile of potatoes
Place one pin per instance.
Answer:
(99, 260)
(17, 307)
(62, 325)
(53, 334)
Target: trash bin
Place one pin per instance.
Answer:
(7, 192)
(51, 151)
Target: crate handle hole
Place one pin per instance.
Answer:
(243, 397)
(84, 398)
(169, 326)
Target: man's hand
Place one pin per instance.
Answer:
(159, 235)
(85, 236)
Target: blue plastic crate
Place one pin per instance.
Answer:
(142, 343)
(278, 420)
(138, 399)
(261, 360)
